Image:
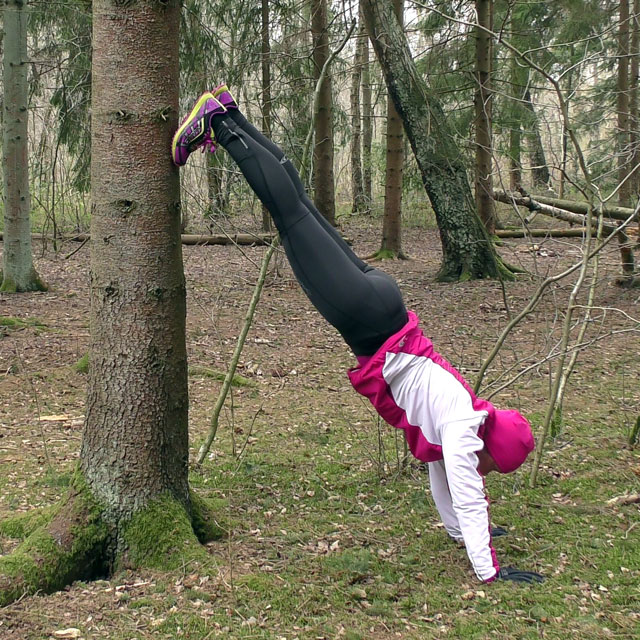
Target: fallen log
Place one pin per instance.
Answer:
(188, 239)
(548, 210)
(539, 233)
(616, 213)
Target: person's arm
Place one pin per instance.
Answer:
(470, 505)
(442, 498)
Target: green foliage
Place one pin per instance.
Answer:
(82, 366)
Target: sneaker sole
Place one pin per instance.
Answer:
(201, 101)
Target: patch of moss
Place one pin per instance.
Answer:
(24, 524)
(68, 547)
(18, 323)
(205, 518)
(237, 380)
(82, 366)
(161, 536)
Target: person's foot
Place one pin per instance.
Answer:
(224, 96)
(195, 130)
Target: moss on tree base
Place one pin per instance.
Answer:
(69, 546)
(34, 283)
(72, 541)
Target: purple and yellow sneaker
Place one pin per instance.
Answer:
(223, 95)
(195, 130)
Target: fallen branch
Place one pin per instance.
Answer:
(548, 210)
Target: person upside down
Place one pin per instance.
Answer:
(460, 436)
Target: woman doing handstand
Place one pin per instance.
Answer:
(412, 387)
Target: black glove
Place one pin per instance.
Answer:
(515, 575)
(496, 532)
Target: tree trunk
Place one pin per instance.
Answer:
(367, 122)
(515, 125)
(391, 246)
(634, 115)
(324, 194)
(622, 107)
(539, 168)
(265, 64)
(18, 272)
(483, 107)
(467, 248)
(130, 504)
(357, 190)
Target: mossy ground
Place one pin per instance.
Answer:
(329, 535)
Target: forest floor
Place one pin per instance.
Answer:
(330, 534)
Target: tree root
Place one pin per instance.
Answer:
(70, 546)
(74, 540)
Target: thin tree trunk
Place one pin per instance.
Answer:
(391, 245)
(622, 107)
(18, 273)
(324, 188)
(357, 192)
(467, 249)
(367, 122)
(539, 168)
(515, 126)
(265, 63)
(634, 115)
(483, 107)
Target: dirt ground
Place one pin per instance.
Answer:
(297, 363)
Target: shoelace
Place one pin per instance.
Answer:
(208, 145)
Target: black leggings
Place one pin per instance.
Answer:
(362, 303)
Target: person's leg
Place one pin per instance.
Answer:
(364, 305)
(238, 117)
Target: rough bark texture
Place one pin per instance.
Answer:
(324, 189)
(515, 127)
(634, 115)
(135, 445)
(467, 249)
(391, 245)
(358, 202)
(483, 108)
(18, 272)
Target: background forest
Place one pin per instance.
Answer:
(182, 454)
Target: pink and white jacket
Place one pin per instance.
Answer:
(415, 389)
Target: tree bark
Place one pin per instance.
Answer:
(391, 245)
(483, 116)
(515, 125)
(135, 445)
(324, 188)
(358, 203)
(467, 248)
(18, 272)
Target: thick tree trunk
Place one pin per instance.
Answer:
(367, 123)
(134, 446)
(130, 503)
(391, 245)
(265, 65)
(324, 188)
(483, 113)
(358, 203)
(467, 248)
(634, 114)
(18, 272)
